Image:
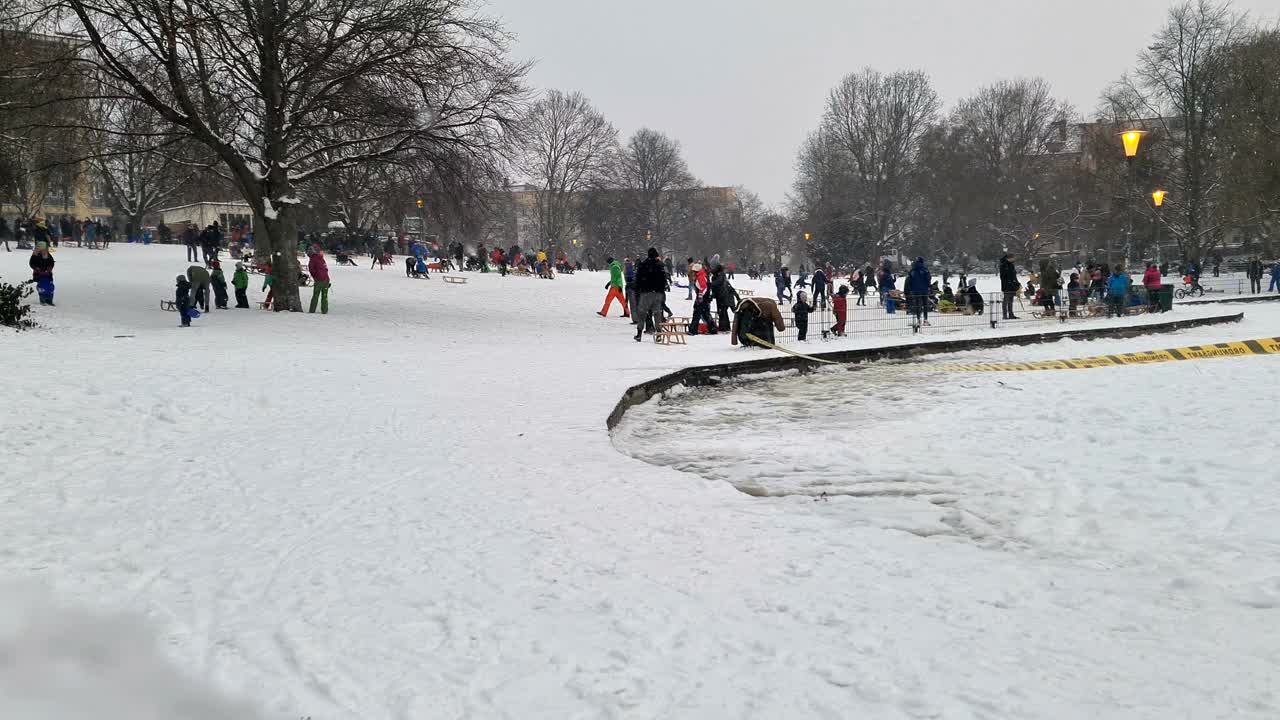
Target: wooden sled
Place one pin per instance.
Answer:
(455, 279)
(672, 332)
(169, 305)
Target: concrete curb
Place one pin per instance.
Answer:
(1249, 299)
(705, 375)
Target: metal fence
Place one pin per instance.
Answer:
(898, 318)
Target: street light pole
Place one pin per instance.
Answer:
(1131, 140)
(1157, 199)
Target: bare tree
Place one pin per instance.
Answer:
(283, 92)
(1177, 91)
(1251, 130)
(141, 161)
(877, 121)
(653, 169)
(566, 145)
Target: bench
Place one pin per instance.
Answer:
(455, 279)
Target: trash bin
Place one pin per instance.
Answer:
(1164, 299)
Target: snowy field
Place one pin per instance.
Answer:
(410, 508)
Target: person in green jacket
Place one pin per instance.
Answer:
(240, 281)
(614, 287)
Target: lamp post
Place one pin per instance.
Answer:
(422, 223)
(1157, 200)
(1130, 139)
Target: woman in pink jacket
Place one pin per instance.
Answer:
(1151, 281)
(319, 280)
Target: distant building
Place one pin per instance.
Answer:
(204, 214)
(68, 188)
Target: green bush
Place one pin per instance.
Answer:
(13, 311)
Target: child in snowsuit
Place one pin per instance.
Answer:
(182, 298)
(42, 273)
(702, 313)
(840, 305)
(266, 286)
(219, 283)
(800, 311)
(241, 283)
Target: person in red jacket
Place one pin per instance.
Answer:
(319, 280)
(1151, 281)
(840, 305)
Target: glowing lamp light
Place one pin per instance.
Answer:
(806, 237)
(1157, 197)
(419, 203)
(1131, 140)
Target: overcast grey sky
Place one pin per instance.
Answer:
(741, 82)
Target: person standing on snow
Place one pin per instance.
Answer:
(725, 296)
(42, 273)
(1151, 281)
(651, 286)
(820, 287)
(800, 313)
(240, 281)
(188, 239)
(319, 280)
(1275, 277)
(1118, 292)
(917, 288)
(614, 286)
(629, 275)
(182, 299)
(840, 306)
(1009, 286)
(1255, 274)
(691, 273)
(219, 283)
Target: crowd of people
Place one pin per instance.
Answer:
(27, 233)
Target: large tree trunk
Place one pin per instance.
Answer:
(284, 262)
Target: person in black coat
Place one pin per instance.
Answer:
(182, 299)
(1009, 286)
(724, 295)
(820, 287)
(1255, 272)
(651, 292)
(800, 310)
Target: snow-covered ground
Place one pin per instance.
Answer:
(411, 508)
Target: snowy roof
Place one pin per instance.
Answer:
(232, 203)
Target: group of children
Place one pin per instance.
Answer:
(193, 290)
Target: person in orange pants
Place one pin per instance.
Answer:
(615, 290)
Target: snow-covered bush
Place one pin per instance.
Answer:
(13, 311)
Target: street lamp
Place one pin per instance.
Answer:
(1131, 139)
(1157, 199)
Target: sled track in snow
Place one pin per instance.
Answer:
(711, 375)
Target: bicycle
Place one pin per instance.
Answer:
(1189, 290)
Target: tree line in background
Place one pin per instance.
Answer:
(356, 112)
(1011, 168)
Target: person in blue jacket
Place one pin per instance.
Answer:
(916, 288)
(1118, 292)
(1275, 277)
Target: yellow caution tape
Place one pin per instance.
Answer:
(1264, 346)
